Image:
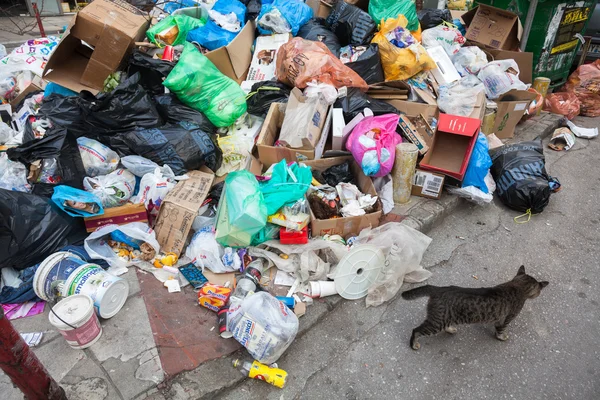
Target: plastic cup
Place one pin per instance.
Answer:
(322, 288)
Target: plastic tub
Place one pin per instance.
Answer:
(52, 273)
(76, 321)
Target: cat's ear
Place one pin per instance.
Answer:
(543, 284)
(521, 270)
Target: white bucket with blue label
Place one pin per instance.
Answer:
(109, 292)
(53, 272)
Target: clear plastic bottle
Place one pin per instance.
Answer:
(256, 370)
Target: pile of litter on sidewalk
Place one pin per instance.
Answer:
(250, 151)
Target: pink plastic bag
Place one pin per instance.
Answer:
(373, 144)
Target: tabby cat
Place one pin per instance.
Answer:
(450, 306)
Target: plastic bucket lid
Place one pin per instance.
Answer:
(55, 267)
(358, 270)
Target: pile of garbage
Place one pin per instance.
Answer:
(258, 142)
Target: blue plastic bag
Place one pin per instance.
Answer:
(64, 193)
(295, 12)
(177, 4)
(479, 165)
(211, 36)
(52, 87)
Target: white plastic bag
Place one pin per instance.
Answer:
(205, 252)
(114, 189)
(8, 135)
(499, 77)
(474, 194)
(97, 158)
(236, 153)
(469, 60)
(385, 191)
(13, 175)
(329, 92)
(97, 248)
(460, 97)
(154, 187)
(263, 325)
(138, 165)
(449, 38)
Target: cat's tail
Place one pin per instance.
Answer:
(415, 293)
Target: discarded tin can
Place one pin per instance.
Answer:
(222, 320)
(168, 54)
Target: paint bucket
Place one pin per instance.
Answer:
(52, 273)
(109, 292)
(76, 321)
(322, 289)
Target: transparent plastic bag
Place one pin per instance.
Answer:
(114, 189)
(205, 252)
(236, 150)
(153, 189)
(8, 135)
(447, 37)
(474, 194)
(460, 97)
(263, 325)
(469, 60)
(97, 158)
(13, 175)
(140, 166)
(288, 183)
(499, 77)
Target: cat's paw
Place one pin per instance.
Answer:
(415, 346)
(502, 336)
(451, 329)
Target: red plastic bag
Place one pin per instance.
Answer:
(562, 103)
(300, 61)
(585, 83)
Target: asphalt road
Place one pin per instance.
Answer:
(554, 347)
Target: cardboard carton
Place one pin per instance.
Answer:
(390, 90)
(410, 132)
(269, 154)
(36, 85)
(346, 226)
(179, 209)
(511, 107)
(414, 110)
(493, 27)
(117, 215)
(262, 67)
(523, 60)
(234, 59)
(452, 146)
(303, 121)
(96, 43)
(427, 184)
(479, 109)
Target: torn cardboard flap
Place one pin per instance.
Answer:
(511, 107)
(234, 59)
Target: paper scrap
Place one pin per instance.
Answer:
(33, 338)
(172, 285)
(284, 279)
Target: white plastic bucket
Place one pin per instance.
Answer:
(109, 292)
(76, 321)
(322, 288)
(52, 273)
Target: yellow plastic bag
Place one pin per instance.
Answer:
(400, 64)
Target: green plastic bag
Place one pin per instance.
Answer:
(182, 22)
(200, 85)
(245, 202)
(287, 185)
(384, 9)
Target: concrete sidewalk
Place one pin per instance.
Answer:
(158, 335)
(53, 26)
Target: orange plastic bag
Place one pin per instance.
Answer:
(300, 61)
(400, 64)
(585, 83)
(562, 103)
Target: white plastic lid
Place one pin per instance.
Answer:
(358, 270)
(113, 298)
(74, 310)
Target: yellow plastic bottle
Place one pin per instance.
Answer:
(256, 370)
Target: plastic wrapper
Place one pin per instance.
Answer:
(460, 97)
(403, 248)
(33, 228)
(338, 174)
(351, 24)
(205, 252)
(263, 94)
(447, 37)
(245, 202)
(263, 325)
(373, 144)
(97, 158)
(499, 77)
(469, 60)
(174, 111)
(173, 29)
(432, 17)
(287, 185)
(317, 30)
(77, 202)
(114, 189)
(356, 101)
(140, 166)
(353, 201)
(368, 63)
(535, 106)
(237, 150)
(301, 61)
(8, 136)
(283, 16)
(13, 175)
(563, 103)
(384, 9)
(474, 194)
(585, 83)
(314, 90)
(522, 182)
(152, 71)
(200, 85)
(385, 190)
(400, 63)
(460, 5)
(212, 36)
(153, 189)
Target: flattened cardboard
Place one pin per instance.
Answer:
(307, 132)
(234, 59)
(179, 209)
(511, 107)
(452, 146)
(427, 184)
(117, 215)
(345, 226)
(493, 27)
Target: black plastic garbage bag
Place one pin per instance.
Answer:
(65, 112)
(356, 101)
(338, 173)
(368, 65)
(252, 8)
(263, 94)
(172, 110)
(316, 30)
(31, 229)
(152, 71)
(351, 24)
(431, 17)
(522, 182)
(183, 147)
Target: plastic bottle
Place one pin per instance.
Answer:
(248, 283)
(256, 370)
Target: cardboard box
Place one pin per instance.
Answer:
(479, 109)
(414, 110)
(303, 121)
(445, 72)
(117, 215)
(179, 209)
(269, 154)
(234, 59)
(262, 67)
(111, 28)
(523, 60)
(36, 85)
(410, 132)
(493, 27)
(452, 146)
(347, 226)
(427, 184)
(511, 107)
